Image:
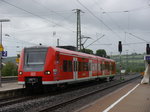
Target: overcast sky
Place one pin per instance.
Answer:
(35, 21)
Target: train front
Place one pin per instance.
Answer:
(33, 67)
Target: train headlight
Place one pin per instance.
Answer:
(20, 73)
(47, 72)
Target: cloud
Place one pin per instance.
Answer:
(36, 20)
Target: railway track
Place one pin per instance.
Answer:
(10, 101)
(25, 97)
(67, 102)
(25, 100)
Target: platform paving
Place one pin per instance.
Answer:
(137, 100)
(10, 86)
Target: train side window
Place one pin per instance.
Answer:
(101, 67)
(79, 66)
(65, 65)
(90, 69)
(108, 66)
(113, 67)
(93, 67)
(85, 66)
(69, 66)
(96, 67)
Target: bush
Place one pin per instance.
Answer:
(10, 69)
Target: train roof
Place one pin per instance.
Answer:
(79, 53)
(62, 50)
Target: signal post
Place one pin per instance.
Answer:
(1, 49)
(120, 50)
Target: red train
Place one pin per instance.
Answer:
(50, 65)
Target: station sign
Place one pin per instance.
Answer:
(147, 57)
(4, 53)
(1, 48)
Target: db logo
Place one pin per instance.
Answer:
(33, 73)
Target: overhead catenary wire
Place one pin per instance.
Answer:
(134, 43)
(57, 13)
(95, 41)
(36, 15)
(102, 44)
(98, 18)
(138, 37)
(130, 10)
(128, 24)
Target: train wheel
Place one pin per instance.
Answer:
(111, 78)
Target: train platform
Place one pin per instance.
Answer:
(10, 86)
(134, 97)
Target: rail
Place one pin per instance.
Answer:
(62, 104)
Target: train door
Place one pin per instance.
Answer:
(110, 68)
(90, 68)
(75, 68)
(103, 65)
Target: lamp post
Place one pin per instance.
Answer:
(1, 49)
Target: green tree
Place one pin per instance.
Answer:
(88, 51)
(10, 69)
(101, 52)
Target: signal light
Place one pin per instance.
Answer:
(147, 49)
(120, 47)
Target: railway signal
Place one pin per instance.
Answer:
(120, 50)
(147, 49)
(120, 47)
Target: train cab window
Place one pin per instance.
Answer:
(35, 58)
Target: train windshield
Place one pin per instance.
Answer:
(34, 59)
